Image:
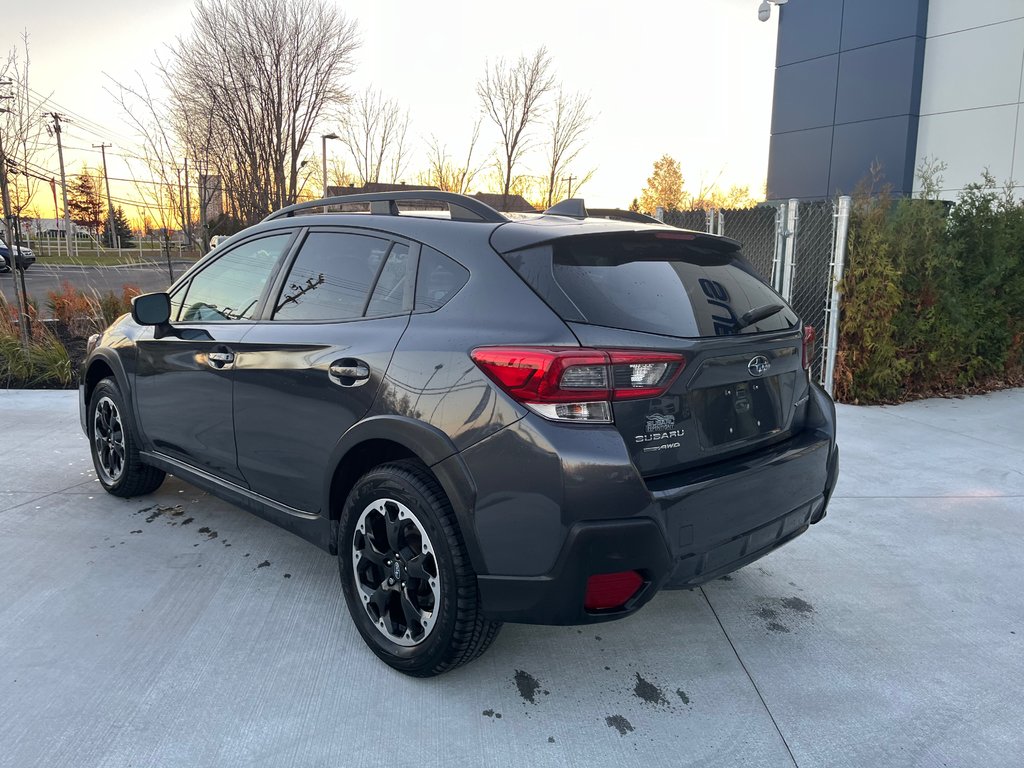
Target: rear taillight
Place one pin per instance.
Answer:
(808, 346)
(575, 384)
(611, 590)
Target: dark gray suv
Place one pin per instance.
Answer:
(543, 420)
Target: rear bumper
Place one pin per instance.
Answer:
(544, 534)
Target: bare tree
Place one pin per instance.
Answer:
(570, 118)
(159, 153)
(511, 96)
(375, 131)
(21, 127)
(266, 72)
(444, 173)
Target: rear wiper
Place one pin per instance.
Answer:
(758, 314)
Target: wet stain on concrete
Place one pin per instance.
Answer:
(153, 515)
(287, 575)
(264, 564)
(648, 691)
(527, 685)
(619, 723)
(138, 531)
(187, 520)
(551, 739)
(491, 713)
(798, 605)
(773, 611)
(682, 696)
(210, 534)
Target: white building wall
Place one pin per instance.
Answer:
(971, 91)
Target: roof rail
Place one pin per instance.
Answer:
(461, 207)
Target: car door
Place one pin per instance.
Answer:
(184, 380)
(313, 367)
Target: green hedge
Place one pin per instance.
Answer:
(933, 297)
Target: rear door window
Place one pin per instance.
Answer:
(672, 287)
(331, 277)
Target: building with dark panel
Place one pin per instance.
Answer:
(883, 84)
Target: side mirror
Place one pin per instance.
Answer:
(152, 309)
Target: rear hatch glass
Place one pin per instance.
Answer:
(654, 283)
(743, 382)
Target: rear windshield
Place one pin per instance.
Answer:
(643, 283)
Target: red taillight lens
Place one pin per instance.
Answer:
(808, 346)
(611, 590)
(573, 376)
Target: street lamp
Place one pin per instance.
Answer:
(324, 139)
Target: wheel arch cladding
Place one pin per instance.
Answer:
(380, 439)
(105, 365)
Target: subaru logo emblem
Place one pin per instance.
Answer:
(758, 366)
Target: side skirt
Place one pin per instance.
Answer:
(313, 528)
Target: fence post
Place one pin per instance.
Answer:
(788, 262)
(659, 213)
(832, 310)
(780, 245)
(721, 222)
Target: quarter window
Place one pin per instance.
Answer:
(439, 279)
(230, 288)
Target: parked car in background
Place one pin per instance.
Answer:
(543, 421)
(24, 255)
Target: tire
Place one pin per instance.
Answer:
(428, 620)
(112, 445)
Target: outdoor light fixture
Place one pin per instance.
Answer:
(764, 11)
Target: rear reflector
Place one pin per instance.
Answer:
(808, 346)
(611, 590)
(541, 377)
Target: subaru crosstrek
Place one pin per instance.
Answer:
(543, 420)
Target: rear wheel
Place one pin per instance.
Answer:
(114, 453)
(406, 576)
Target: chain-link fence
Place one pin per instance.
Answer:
(755, 228)
(812, 271)
(698, 220)
(793, 246)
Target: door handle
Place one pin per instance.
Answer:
(220, 360)
(349, 372)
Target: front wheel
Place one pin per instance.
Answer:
(114, 453)
(405, 573)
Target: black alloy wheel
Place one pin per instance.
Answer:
(405, 573)
(112, 444)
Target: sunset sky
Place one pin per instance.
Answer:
(691, 78)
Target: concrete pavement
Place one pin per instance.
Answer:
(177, 630)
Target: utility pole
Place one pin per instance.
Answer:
(569, 178)
(114, 239)
(188, 208)
(8, 240)
(63, 187)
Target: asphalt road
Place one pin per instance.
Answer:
(177, 630)
(41, 278)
